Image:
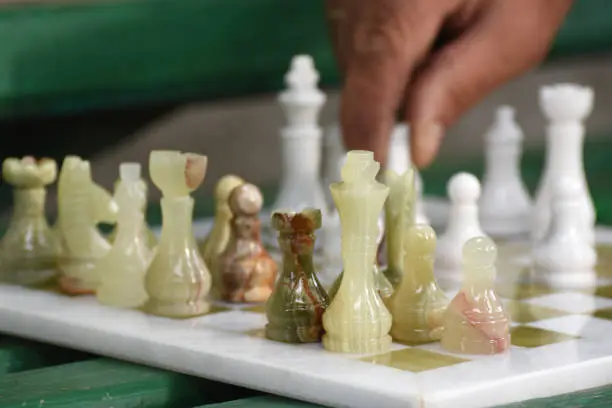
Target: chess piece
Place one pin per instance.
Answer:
(357, 320)
(418, 304)
(420, 215)
(247, 273)
(475, 321)
(399, 160)
(217, 240)
(566, 106)
(28, 250)
(177, 279)
(333, 160)
(505, 205)
(301, 139)
(122, 270)
(384, 287)
(463, 189)
(331, 238)
(82, 205)
(149, 237)
(563, 258)
(295, 308)
(399, 215)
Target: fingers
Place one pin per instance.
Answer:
(509, 38)
(385, 40)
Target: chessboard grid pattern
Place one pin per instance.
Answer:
(540, 317)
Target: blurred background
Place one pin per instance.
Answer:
(110, 80)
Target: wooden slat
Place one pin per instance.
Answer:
(268, 401)
(103, 383)
(20, 355)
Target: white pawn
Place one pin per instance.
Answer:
(463, 190)
(301, 139)
(505, 205)
(566, 106)
(564, 258)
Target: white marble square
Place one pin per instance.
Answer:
(572, 302)
(584, 326)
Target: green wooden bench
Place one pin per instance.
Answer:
(73, 57)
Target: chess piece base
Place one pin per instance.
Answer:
(416, 336)
(507, 227)
(76, 277)
(294, 334)
(123, 297)
(463, 345)
(567, 279)
(350, 346)
(22, 275)
(177, 310)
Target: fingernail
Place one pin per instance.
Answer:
(426, 139)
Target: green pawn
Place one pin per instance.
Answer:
(295, 308)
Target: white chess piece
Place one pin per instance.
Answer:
(566, 106)
(399, 161)
(505, 205)
(563, 258)
(463, 190)
(334, 155)
(301, 139)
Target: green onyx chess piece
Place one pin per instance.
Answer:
(399, 215)
(295, 308)
(418, 304)
(29, 250)
(384, 286)
(149, 237)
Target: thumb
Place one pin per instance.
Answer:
(508, 39)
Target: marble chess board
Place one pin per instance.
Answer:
(560, 344)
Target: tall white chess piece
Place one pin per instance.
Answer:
(505, 205)
(463, 190)
(566, 106)
(563, 258)
(301, 139)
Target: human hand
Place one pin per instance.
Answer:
(431, 59)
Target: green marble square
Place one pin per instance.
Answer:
(521, 312)
(604, 314)
(214, 308)
(413, 359)
(604, 291)
(260, 308)
(527, 336)
(512, 291)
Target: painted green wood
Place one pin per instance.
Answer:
(104, 383)
(593, 398)
(69, 57)
(268, 401)
(20, 355)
